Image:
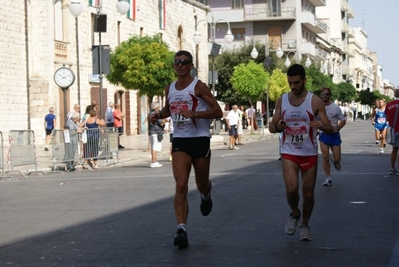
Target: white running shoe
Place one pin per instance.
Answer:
(328, 182)
(381, 151)
(304, 233)
(155, 165)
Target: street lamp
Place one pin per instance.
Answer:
(287, 61)
(122, 7)
(279, 54)
(229, 37)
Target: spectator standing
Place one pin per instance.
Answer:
(87, 114)
(232, 124)
(109, 115)
(390, 111)
(332, 141)
(155, 132)
(225, 112)
(295, 116)
(49, 124)
(250, 114)
(354, 110)
(191, 105)
(92, 124)
(240, 126)
(118, 122)
(76, 108)
(71, 147)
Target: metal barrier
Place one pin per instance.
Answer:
(2, 162)
(22, 150)
(85, 149)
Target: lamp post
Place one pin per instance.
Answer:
(279, 54)
(215, 48)
(75, 8)
(287, 61)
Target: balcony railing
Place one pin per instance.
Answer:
(266, 13)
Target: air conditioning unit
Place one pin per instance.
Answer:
(292, 44)
(94, 78)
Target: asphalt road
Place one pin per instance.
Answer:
(123, 216)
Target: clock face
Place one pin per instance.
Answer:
(64, 77)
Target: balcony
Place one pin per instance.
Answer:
(318, 2)
(308, 48)
(265, 14)
(61, 51)
(231, 15)
(344, 27)
(313, 24)
(345, 7)
(351, 33)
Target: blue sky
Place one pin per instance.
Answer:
(377, 18)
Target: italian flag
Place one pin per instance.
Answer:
(95, 3)
(162, 14)
(131, 14)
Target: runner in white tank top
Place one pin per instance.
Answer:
(295, 115)
(191, 105)
(187, 100)
(298, 138)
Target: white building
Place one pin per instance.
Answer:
(38, 37)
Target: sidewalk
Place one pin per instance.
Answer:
(136, 148)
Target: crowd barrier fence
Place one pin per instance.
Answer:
(85, 149)
(22, 151)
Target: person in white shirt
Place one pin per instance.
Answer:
(232, 125)
(250, 112)
(240, 126)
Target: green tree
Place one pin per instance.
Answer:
(224, 64)
(277, 85)
(250, 80)
(347, 92)
(143, 64)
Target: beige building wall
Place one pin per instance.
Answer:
(31, 52)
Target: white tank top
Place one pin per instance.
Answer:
(299, 138)
(186, 99)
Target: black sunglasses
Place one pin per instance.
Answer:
(184, 62)
(325, 94)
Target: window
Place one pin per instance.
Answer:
(58, 21)
(205, 2)
(237, 4)
(239, 34)
(274, 7)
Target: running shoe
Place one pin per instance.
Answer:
(337, 165)
(381, 151)
(156, 165)
(206, 206)
(328, 182)
(304, 234)
(290, 226)
(377, 142)
(393, 172)
(181, 239)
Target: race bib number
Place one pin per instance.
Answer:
(381, 120)
(297, 134)
(175, 112)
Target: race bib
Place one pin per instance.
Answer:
(381, 120)
(296, 134)
(175, 111)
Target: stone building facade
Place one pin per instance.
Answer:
(38, 37)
